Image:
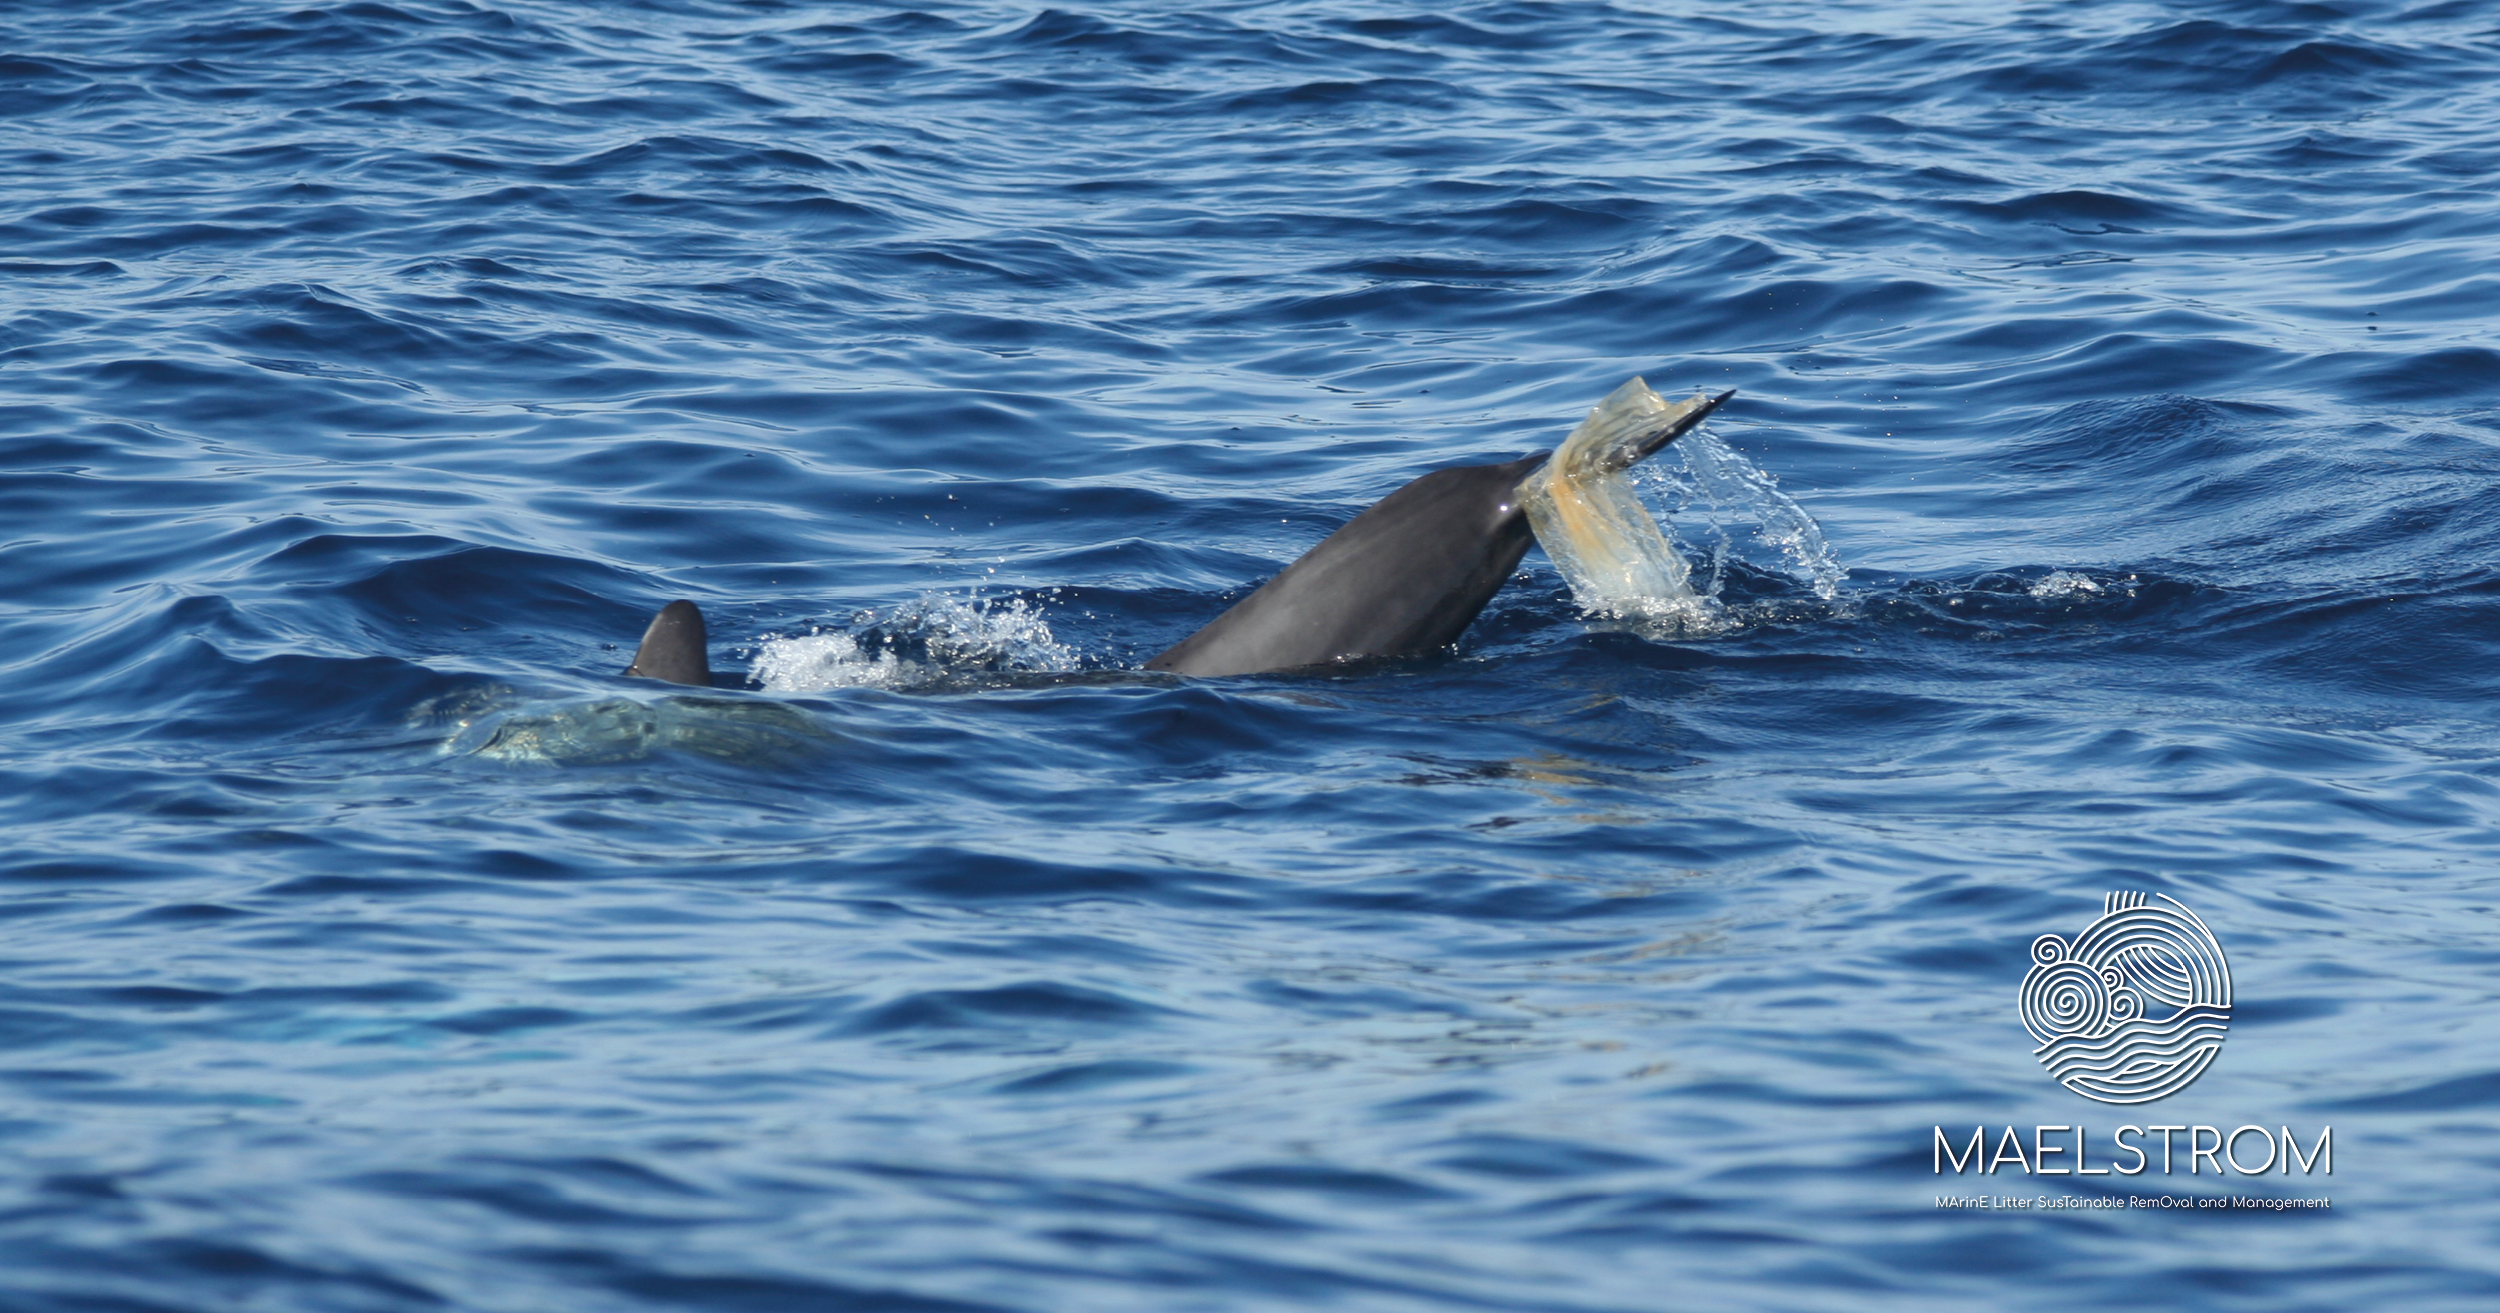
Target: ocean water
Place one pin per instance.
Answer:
(369, 373)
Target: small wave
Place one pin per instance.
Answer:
(2029, 599)
(929, 640)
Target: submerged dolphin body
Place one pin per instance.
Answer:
(1403, 578)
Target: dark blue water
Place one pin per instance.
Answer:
(369, 372)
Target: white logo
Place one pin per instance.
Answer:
(2135, 1007)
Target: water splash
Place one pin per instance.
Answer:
(928, 640)
(1729, 490)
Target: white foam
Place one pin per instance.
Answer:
(928, 640)
(2064, 583)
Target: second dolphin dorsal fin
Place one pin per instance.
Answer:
(673, 647)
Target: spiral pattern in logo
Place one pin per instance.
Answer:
(2135, 1007)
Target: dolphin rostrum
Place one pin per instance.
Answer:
(1403, 578)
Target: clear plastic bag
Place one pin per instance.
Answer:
(1589, 520)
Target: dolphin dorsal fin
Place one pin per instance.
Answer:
(672, 648)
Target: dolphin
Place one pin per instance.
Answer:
(1409, 575)
(1404, 578)
(673, 647)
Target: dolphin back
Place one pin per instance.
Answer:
(1403, 578)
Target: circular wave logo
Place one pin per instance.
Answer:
(2135, 1007)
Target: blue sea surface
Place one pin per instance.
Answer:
(370, 372)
